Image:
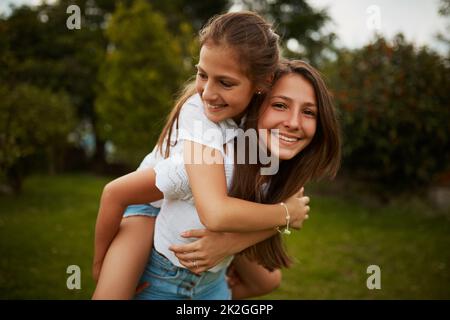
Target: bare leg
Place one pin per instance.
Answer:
(254, 280)
(126, 258)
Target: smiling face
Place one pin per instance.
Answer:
(290, 107)
(225, 90)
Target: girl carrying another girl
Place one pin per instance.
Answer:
(225, 88)
(300, 108)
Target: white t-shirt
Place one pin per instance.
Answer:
(178, 212)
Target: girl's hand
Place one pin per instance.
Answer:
(298, 209)
(206, 252)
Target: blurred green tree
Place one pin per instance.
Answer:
(195, 13)
(32, 121)
(300, 26)
(37, 48)
(142, 71)
(395, 107)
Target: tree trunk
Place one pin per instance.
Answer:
(14, 179)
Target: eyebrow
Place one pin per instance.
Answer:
(219, 76)
(308, 103)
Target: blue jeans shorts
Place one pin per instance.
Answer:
(169, 282)
(141, 210)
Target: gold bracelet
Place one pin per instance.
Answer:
(288, 219)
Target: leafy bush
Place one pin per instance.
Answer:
(394, 101)
(32, 121)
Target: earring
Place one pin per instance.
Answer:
(258, 92)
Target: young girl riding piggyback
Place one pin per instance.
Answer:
(238, 58)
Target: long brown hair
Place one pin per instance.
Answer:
(256, 45)
(321, 158)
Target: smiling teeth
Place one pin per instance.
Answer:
(287, 139)
(214, 107)
(284, 138)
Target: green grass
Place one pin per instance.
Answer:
(43, 231)
(342, 238)
(51, 225)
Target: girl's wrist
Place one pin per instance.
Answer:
(287, 221)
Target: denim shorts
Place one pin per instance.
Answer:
(141, 210)
(169, 282)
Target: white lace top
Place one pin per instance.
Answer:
(178, 212)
